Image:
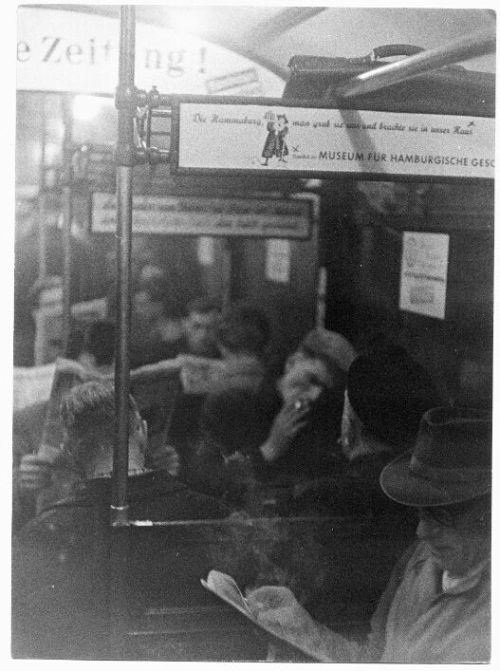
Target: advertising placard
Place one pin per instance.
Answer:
(424, 268)
(197, 215)
(228, 136)
(278, 261)
(62, 50)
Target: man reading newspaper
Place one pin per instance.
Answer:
(436, 607)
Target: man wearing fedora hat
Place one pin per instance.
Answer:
(436, 607)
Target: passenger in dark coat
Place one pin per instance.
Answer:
(302, 438)
(61, 559)
(252, 436)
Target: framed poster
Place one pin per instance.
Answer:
(424, 268)
(197, 215)
(278, 261)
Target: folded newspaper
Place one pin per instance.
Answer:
(198, 374)
(225, 587)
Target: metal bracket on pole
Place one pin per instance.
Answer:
(142, 108)
(156, 106)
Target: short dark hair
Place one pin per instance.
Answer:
(389, 391)
(88, 415)
(203, 305)
(244, 328)
(99, 340)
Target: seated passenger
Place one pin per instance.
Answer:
(231, 429)
(387, 393)
(246, 436)
(93, 346)
(200, 328)
(302, 439)
(436, 608)
(35, 474)
(198, 339)
(243, 338)
(60, 585)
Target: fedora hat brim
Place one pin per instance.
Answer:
(400, 484)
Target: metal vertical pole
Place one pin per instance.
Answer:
(38, 346)
(67, 218)
(125, 158)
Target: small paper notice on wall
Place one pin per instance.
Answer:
(205, 250)
(278, 260)
(424, 269)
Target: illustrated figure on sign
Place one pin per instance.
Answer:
(411, 252)
(271, 144)
(282, 127)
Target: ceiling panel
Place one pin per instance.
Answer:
(350, 32)
(273, 34)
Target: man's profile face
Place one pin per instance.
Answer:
(201, 332)
(458, 536)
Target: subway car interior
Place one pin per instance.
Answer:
(254, 275)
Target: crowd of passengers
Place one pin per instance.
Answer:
(314, 435)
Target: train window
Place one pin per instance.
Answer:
(216, 364)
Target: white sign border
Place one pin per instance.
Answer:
(304, 200)
(177, 101)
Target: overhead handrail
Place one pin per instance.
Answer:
(477, 44)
